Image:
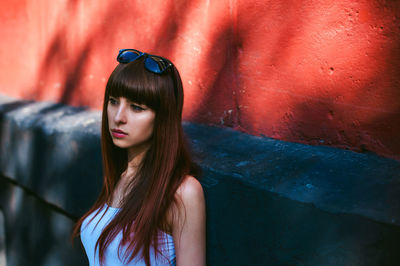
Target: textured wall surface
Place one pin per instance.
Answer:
(282, 204)
(316, 72)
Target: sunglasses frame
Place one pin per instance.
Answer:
(150, 61)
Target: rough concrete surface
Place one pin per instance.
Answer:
(36, 232)
(42, 145)
(269, 202)
(336, 180)
(315, 72)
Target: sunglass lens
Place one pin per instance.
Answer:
(153, 65)
(128, 56)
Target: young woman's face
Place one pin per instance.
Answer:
(130, 124)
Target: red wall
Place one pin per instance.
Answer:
(316, 72)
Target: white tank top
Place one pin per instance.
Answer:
(90, 233)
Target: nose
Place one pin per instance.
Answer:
(120, 115)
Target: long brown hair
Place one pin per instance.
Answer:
(162, 169)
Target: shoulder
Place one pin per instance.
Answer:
(190, 191)
(190, 203)
(189, 223)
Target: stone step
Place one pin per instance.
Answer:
(269, 202)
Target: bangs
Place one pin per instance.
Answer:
(134, 82)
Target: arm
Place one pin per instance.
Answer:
(189, 225)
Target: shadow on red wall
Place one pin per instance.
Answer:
(321, 73)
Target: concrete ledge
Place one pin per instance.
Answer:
(52, 149)
(36, 233)
(250, 226)
(269, 202)
(335, 180)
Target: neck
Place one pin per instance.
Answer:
(135, 156)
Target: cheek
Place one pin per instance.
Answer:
(148, 126)
(140, 125)
(109, 115)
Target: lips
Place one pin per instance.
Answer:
(118, 133)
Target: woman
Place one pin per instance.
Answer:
(151, 210)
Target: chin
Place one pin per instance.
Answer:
(121, 144)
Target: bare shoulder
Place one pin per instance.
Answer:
(189, 227)
(190, 200)
(190, 191)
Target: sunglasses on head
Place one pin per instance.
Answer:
(152, 63)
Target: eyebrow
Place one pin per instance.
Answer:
(129, 101)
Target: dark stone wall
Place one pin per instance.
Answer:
(268, 202)
(50, 174)
(37, 233)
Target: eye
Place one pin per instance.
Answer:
(137, 108)
(112, 101)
